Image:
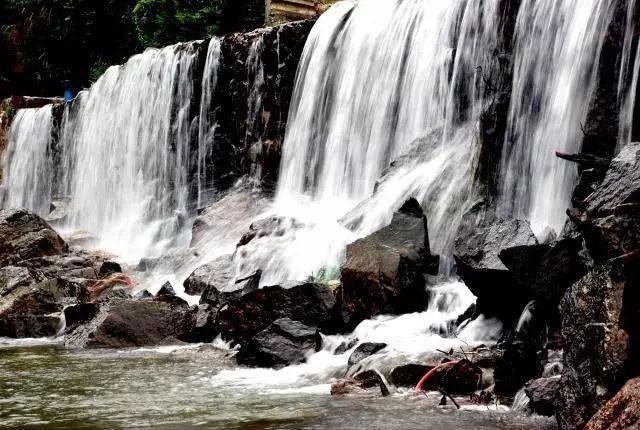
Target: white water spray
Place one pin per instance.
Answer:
(28, 163)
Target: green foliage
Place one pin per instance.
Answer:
(46, 42)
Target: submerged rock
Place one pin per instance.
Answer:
(310, 304)
(384, 272)
(622, 412)
(283, 343)
(24, 235)
(477, 255)
(601, 326)
(131, 323)
(360, 383)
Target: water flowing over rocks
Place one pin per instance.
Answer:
(385, 271)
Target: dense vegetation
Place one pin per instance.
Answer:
(46, 42)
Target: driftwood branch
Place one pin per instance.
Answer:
(586, 160)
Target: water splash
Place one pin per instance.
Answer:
(28, 162)
(556, 54)
(628, 83)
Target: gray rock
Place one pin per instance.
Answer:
(24, 235)
(384, 272)
(215, 275)
(542, 395)
(365, 350)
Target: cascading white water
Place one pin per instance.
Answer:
(556, 56)
(628, 82)
(28, 162)
(207, 122)
(127, 153)
(256, 81)
(375, 76)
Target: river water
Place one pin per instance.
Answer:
(44, 386)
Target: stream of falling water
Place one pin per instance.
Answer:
(126, 152)
(557, 51)
(28, 164)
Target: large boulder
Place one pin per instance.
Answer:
(29, 311)
(24, 235)
(385, 271)
(283, 343)
(621, 412)
(310, 304)
(214, 275)
(547, 270)
(477, 255)
(600, 326)
(131, 323)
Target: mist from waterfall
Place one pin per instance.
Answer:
(125, 146)
(27, 166)
(556, 57)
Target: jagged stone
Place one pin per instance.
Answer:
(24, 235)
(283, 343)
(384, 272)
(622, 412)
(601, 329)
(215, 275)
(363, 351)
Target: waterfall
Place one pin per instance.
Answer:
(628, 83)
(207, 124)
(381, 81)
(126, 150)
(28, 162)
(255, 80)
(557, 51)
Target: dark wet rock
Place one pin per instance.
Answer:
(542, 395)
(486, 358)
(274, 226)
(220, 296)
(454, 377)
(384, 272)
(621, 185)
(166, 290)
(311, 304)
(167, 263)
(24, 235)
(109, 268)
(360, 383)
(79, 314)
(130, 323)
(477, 255)
(614, 235)
(29, 311)
(547, 270)
(516, 363)
(283, 343)
(143, 295)
(601, 329)
(204, 329)
(408, 375)
(214, 275)
(622, 412)
(345, 346)
(365, 350)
